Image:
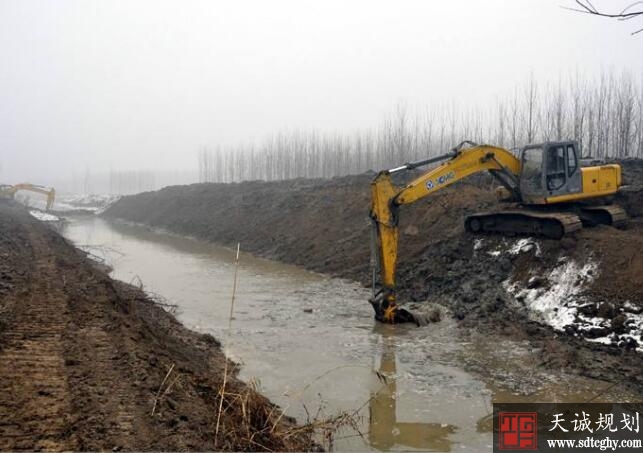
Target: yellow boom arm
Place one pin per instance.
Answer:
(386, 199)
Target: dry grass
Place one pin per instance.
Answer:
(225, 370)
(248, 422)
(167, 389)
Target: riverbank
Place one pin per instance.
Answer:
(520, 288)
(95, 364)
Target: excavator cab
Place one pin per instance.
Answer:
(549, 169)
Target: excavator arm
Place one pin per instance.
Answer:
(387, 198)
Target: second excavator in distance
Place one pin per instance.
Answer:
(545, 189)
(10, 192)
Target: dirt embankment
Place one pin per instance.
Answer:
(86, 362)
(319, 224)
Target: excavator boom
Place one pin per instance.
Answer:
(387, 198)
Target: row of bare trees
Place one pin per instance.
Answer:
(116, 182)
(132, 181)
(123, 182)
(604, 115)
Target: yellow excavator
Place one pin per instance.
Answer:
(10, 191)
(548, 193)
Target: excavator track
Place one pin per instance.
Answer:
(552, 225)
(604, 215)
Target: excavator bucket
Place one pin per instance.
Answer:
(387, 311)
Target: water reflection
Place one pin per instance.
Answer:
(385, 431)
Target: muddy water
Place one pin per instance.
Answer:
(310, 344)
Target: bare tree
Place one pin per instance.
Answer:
(632, 11)
(578, 108)
(514, 122)
(531, 108)
(639, 121)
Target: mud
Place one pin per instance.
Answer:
(90, 363)
(322, 225)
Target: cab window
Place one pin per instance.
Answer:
(556, 173)
(572, 160)
(532, 164)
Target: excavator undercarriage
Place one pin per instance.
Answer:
(545, 223)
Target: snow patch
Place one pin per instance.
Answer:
(44, 216)
(634, 321)
(477, 244)
(555, 299)
(93, 202)
(525, 245)
(557, 304)
(629, 306)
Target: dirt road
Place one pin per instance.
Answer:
(83, 358)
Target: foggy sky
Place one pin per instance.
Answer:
(145, 84)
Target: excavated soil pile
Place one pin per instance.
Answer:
(86, 362)
(490, 282)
